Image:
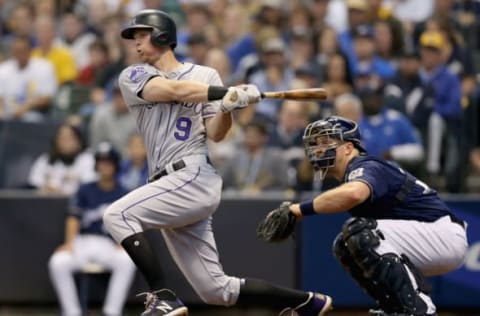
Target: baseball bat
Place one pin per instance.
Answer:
(297, 94)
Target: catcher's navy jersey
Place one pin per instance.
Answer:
(416, 201)
(89, 204)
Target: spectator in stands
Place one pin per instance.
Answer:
(96, 12)
(197, 18)
(65, 166)
(358, 15)
(113, 123)
(319, 9)
(79, 95)
(276, 75)
(447, 114)
(299, 18)
(292, 120)
(381, 12)
(198, 47)
(86, 241)
(252, 62)
(134, 169)
(255, 167)
(386, 133)
(338, 79)
(405, 91)
(287, 134)
(45, 7)
(61, 57)
(301, 42)
(239, 42)
(306, 77)
(387, 46)
(218, 60)
(98, 61)
(349, 106)
(327, 46)
(77, 38)
(19, 22)
(27, 85)
(108, 78)
(365, 54)
(270, 14)
(109, 30)
(456, 54)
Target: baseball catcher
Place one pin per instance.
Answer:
(400, 230)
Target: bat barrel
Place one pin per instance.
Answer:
(297, 94)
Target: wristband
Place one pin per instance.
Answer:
(216, 92)
(306, 208)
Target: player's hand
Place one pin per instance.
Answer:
(20, 111)
(254, 94)
(235, 98)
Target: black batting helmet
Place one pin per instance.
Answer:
(164, 30)
(105, 151)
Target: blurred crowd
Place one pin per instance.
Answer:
(405, 70)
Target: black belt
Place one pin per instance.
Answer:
(175, 166)
(456, 220)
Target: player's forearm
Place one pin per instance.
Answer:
(340, 199)
(218, 126)
(72, 227)
(163, 90)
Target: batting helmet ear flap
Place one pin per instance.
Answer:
(159, 38)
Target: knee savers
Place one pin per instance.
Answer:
(385, 277)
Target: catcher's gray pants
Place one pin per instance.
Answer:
(181, 204)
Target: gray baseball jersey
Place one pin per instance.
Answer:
(182, 202)
(171, 130)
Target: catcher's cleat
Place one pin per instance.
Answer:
(379, 312)
(316, 305)
(154, 306)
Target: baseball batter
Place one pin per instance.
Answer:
(400, 231)
(175, 109)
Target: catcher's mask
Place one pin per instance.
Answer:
(321, 139)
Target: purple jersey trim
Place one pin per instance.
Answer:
(168, 128)
(208, 114)
(153, 196)
(186, 72)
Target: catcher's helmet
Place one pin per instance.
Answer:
(333, 127)
(164, 30)
(105, 151)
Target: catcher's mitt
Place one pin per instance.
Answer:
(278, 225)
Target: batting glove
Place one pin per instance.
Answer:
(254, 94)
(235, 98)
